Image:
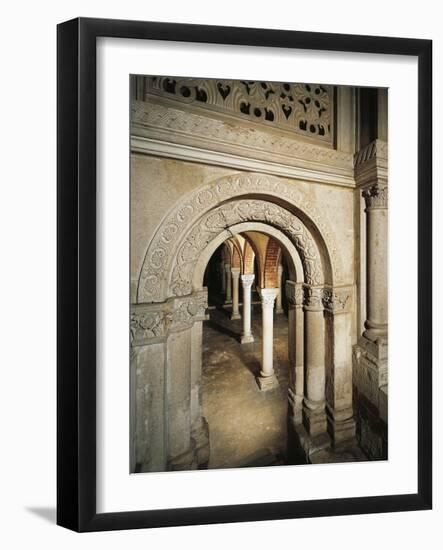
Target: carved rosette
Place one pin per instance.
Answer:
(376, 196)
(294, 294)
(153, 322)
(338, 299)
(153, 281)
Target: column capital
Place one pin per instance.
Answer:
(227, 268)
(294, 293)
(313, 298)
(337, 299)
(247, 279)
(376, 196)
(235, 271)
(268, 296)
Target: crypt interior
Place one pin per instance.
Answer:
(259, 230)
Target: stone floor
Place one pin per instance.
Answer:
(247, 426)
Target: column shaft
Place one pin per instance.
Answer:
(376, 262)
(267, 379)
(247, 281)
(235, 271)
(228, 283)
(279, 302)
(314, 416)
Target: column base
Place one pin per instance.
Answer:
(314, 420)
(341, 431)
(246, 339)
(267, 383)
(305, 446)
(235, 316)
(200, 438)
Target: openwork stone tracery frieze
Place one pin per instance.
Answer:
(164, 247)
(306, 109)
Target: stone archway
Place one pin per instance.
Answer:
(171, 307)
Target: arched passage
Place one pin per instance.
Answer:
(320, 387)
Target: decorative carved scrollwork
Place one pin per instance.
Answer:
(338, 299)
(232, 213)
(294, 293)
(306, 109)
(156, 321)
(163, 250)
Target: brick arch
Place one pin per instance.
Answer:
(272, 259)
(249, 257)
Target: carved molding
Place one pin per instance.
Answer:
(306, 109)
(376, 196)
(371, 164)
(163, 249)
(153, 322)
(375, 149)
(166, 131)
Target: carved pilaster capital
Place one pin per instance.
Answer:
(153, 322)
(247, 279)
(313, 298)
(337, 299)
(294, 294)
(376, 196)
(268, 296)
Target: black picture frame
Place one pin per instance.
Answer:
(76, 278)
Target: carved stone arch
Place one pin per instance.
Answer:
(280, 204)
(232, 213)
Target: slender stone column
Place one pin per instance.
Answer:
(314, 415)
(376, 198)
(338, 318)
(223, 277)
(228, 299)
(247, 281)
(235, 271)
(267, 379)
(278, 302)
(294, 294)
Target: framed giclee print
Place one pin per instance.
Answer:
(244, 321)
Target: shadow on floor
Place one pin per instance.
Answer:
(47, 513)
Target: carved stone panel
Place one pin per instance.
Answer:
(306, 109)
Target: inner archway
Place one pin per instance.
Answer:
(247, 423)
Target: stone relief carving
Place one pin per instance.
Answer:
(376, 196)
(306, 109)
(161, 118)
(156, 321)
(232, 213)
(294, 293)
(313, 297)
(337, 300)
(154, 275)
